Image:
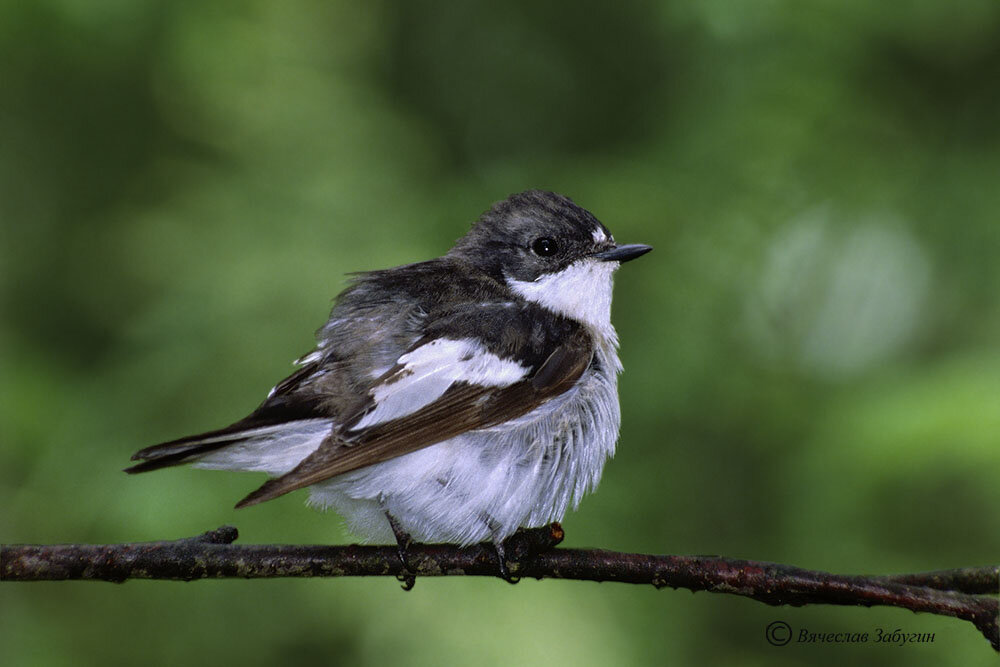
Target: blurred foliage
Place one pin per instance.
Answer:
(813, 374)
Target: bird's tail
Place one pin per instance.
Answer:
(274, 449)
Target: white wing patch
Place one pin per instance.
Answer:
(430, 370)
(315, 355)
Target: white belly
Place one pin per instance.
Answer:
(485, 484)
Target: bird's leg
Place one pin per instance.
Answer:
(501, 553)
(499, 549)
(403, 542)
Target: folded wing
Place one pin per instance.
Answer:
(439, 389)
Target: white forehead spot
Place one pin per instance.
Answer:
(599, 235)
(581, 291)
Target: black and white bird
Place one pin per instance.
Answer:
(453, 400)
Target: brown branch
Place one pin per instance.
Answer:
(963, 593)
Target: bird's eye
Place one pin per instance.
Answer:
(544, 247)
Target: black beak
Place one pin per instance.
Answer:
(623, 253)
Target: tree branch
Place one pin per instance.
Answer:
(962, 593)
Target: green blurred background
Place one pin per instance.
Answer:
(812, 366)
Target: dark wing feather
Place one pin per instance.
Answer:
(463, 407)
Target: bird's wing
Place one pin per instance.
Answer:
(444, 386)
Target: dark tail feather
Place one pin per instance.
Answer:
(184, 450)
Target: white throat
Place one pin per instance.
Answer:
(581, 291)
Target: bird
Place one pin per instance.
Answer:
(455, 400)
